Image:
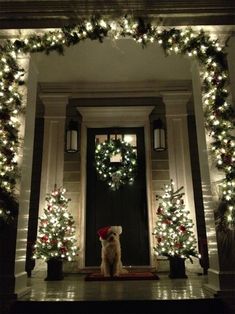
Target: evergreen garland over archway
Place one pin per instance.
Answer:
(219, 116)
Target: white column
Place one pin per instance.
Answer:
(218, 280)
(25, 163)
(178, 150)
(53, 144)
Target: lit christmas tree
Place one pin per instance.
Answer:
(56, 237)
(173, 229)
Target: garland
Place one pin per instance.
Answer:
(219, 116)
(115, 173)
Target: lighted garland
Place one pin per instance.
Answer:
(120, 173)
(10, 107)
(219, 116)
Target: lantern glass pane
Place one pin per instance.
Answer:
(159, 139)
(72, 141)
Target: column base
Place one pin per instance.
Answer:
(222, 286)
(221, 280)
(226, 296)
(21, 287)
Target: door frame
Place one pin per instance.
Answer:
(105, 117)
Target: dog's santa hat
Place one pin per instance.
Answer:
(103, 232)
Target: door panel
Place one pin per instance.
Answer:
(126, 207)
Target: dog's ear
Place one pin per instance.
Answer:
(117, 229)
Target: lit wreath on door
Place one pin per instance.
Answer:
(116, 163)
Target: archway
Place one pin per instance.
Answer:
(218, 118)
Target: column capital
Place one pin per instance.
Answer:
(176, 102)
(54, 104)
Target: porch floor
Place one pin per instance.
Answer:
(74, 288)
(74, 295)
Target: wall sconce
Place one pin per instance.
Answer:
(159, 136)
(72, 137)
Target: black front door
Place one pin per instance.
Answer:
(126, 207)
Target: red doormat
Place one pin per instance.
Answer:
(127, 276)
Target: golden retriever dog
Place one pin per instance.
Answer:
(111, 264)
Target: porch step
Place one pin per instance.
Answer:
(192, 306)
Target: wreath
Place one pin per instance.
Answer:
(116, 163)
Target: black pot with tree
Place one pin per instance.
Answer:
(56, 241)
(174, 231)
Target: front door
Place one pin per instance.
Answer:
(126, 207)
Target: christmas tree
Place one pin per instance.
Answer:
(173, 229)
(56, 237)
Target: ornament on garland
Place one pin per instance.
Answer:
(116, 163)
(56, 236)
(219, 113)
(173, 229)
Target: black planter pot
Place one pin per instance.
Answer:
(54, 270)
(177, 267)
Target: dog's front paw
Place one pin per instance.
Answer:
(116, 275)
(106, 275)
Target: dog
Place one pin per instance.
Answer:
(111, 264)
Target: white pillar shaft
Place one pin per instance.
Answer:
(27, 132)
(209, 203)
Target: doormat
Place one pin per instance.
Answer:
(127, 276)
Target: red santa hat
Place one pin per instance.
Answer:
(103, 232)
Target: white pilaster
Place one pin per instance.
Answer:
(53, 144)
(178, 148)
(177, 135)
(25, 162)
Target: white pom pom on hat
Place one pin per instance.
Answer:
(116, 229)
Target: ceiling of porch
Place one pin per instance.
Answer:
(121, 61)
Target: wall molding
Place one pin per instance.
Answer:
(49, 13)
(78, 90)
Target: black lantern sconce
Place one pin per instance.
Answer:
(72, 137)
(159, 136)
